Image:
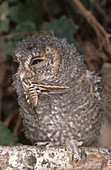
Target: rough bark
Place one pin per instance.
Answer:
(32, 157)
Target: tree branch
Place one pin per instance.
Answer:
(24, 157)
(102, 35)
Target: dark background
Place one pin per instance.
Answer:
(89, 31)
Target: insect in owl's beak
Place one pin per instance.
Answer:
(32, 88)
(51, 87)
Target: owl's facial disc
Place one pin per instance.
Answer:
(46, 63)
(43, 65)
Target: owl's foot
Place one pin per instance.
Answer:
(41, 144)
(45, 144)
(73, 148)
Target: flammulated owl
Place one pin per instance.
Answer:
(59, 97)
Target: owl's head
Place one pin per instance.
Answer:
(43, 57)
(37, 58)
(40, 64)
(45, 64)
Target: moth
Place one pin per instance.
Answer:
(33, 88)
(30, 90)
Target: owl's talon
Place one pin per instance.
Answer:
(72, 146)
(42, 145)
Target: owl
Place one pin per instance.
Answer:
(59, 97)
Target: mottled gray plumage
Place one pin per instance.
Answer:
(73, 114)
